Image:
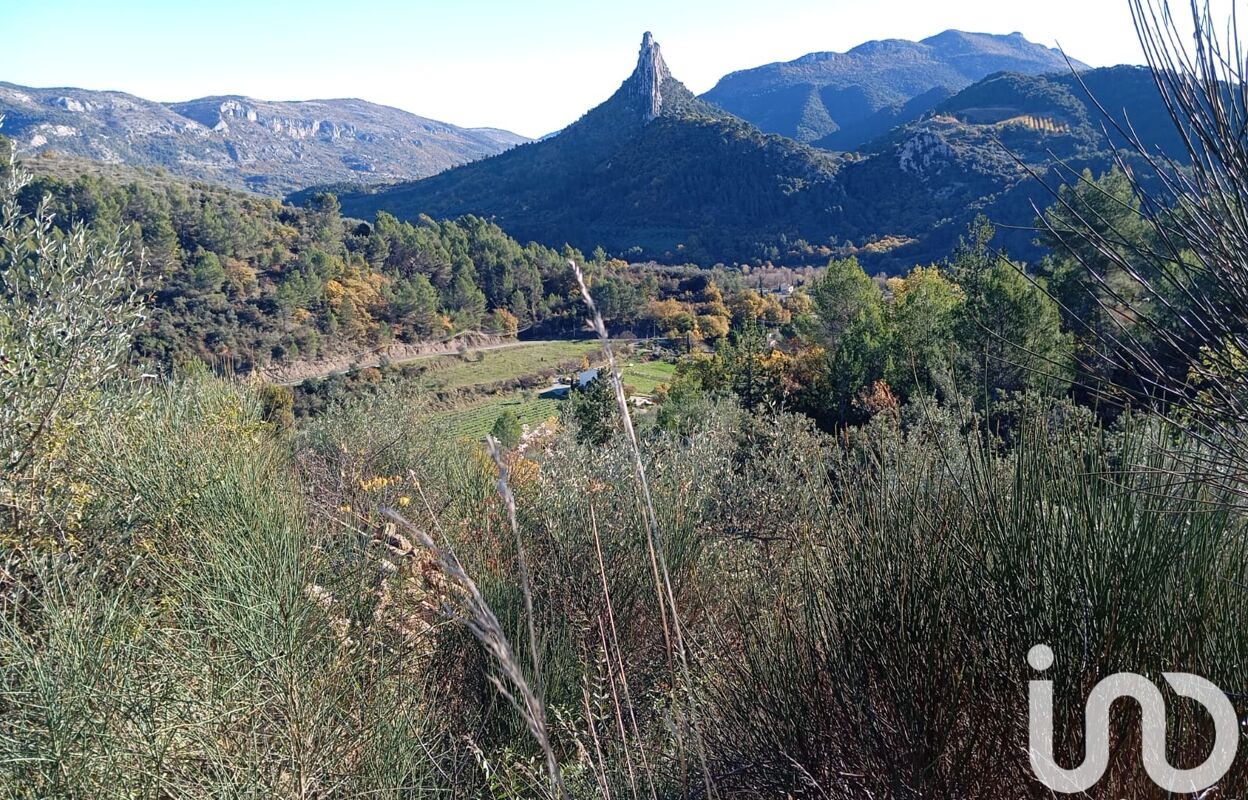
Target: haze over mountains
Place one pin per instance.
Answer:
(842, 100)
(267, 147)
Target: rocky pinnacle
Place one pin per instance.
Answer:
(648, 78)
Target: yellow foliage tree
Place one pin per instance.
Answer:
(673, 316)
(747, 306)
(504, 322)
(712, 326)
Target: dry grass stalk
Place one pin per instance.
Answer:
(468, 606)
(616, 673)
(668, 609)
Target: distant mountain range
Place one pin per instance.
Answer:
(840, 101)
(267, 147)
(656, 172)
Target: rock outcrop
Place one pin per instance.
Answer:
(648, 79)
(268, 147)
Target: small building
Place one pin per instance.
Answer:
(559, 391)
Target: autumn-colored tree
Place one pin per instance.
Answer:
(713, 327)
(673, 317)
(747, 306)
(503, 322)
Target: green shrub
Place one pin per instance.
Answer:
(230, 652)
(507, 430)
(884, 651)
(68, 310)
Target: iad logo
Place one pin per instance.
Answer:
(1153, 708)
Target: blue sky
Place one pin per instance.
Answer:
(531, 67)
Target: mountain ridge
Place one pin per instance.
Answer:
(696, 183)
(817, 97)
(269, 147)
(977, 151)
(657, 172)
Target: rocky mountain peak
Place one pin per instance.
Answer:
(647, 80)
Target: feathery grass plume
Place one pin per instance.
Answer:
(526, 588)
(465, 604)
(669, 609)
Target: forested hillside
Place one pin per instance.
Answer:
(998, 148)
(245, 280)
(655, 173)
(241, 282)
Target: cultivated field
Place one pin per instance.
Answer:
(474, 417)
(497, 366)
